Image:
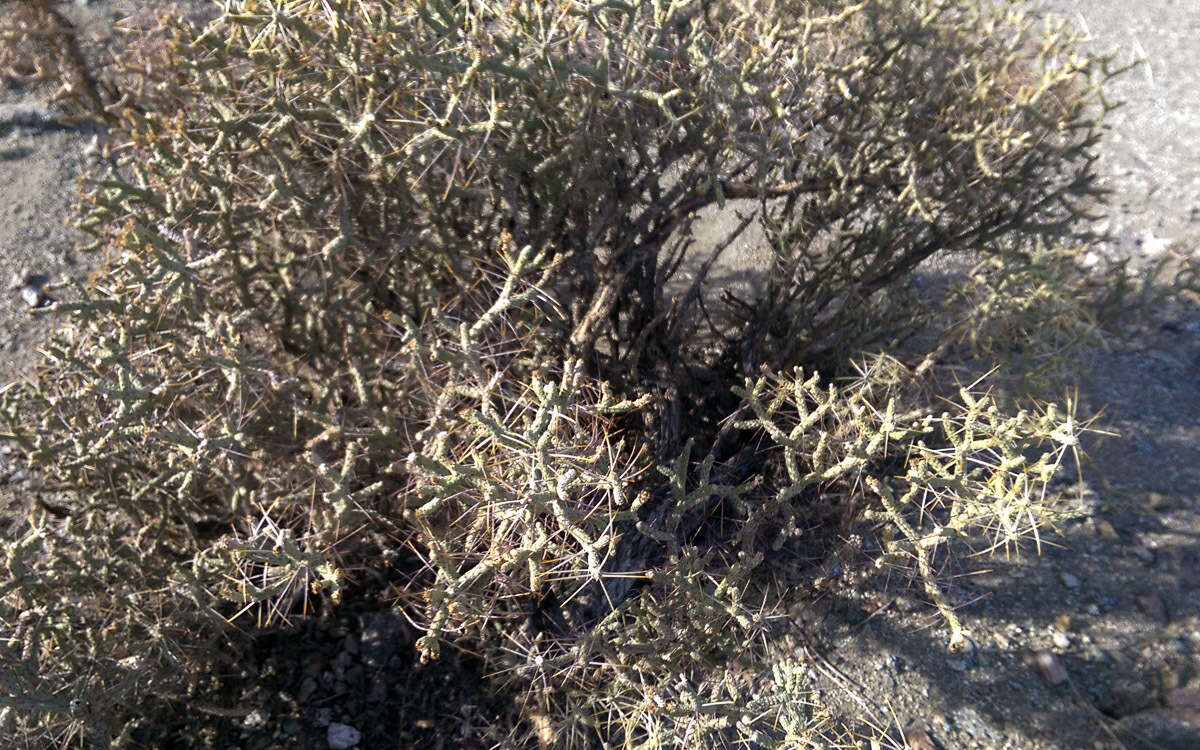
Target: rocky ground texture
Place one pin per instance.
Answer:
(1095, 643)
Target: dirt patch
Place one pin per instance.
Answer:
(39, 161)
(1113, 604)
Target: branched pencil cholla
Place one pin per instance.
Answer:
(194, 252)
(414, 282)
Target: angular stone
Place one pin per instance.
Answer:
(1048, 665)
(1152, 605)
(918, 739)
(342, 736)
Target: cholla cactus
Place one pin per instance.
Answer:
(413, 274)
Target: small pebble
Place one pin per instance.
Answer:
(1152, 605)
(1061, 641)
(1070, 581)
(918, 739)
(256, 719)
(1169, 679)
(1048, 665)
(32, 288)
(1097, 655)
(307, 688)
(1106, 531)
(342, 736)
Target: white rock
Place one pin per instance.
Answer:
(31, 295)
(1152, 245)
(342, 736)
(256, 719)
(32, 288)
(1049, 666)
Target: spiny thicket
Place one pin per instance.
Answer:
(420, 276)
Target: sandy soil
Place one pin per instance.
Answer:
(1116, 601)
